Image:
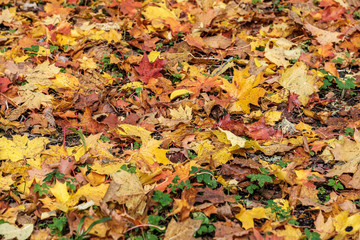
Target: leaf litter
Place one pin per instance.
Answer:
(179, 119)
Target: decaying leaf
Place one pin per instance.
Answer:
(182, 230)
(10, 231)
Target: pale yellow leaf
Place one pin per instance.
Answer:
(296, 80)
(10, 231)
(235, 140)
(181, 113)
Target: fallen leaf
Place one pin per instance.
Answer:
(246, 217)
(296, 80)
(127, 189)
(10, 231)
(243, 90)
(182, 230)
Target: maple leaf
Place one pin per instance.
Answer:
(297, 80)
(182, 230)
(260, 131)
(205, 84)
(149, 149)
(235, 126)
(127, 189)
(247, 216)
(4, 84)
(21, 148)
(322, 36)
(148, 69)
(243, 90)
(12, 232)
(129, 7)
(6, 182)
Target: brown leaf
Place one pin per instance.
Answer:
(182, 230)
(229, 231)
(214, 196)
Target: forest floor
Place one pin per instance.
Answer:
(180, 119)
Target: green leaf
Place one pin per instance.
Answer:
(260, 178)
(162, 198)
(53, 48)
(252, 188)
(58, 225)
(348, 83)
(349, 131)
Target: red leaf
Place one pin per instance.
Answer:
(4, 83)
(237, 127)
(332, 13)
(130, 7)
(149, 70)
(260, 131)
(293, 101)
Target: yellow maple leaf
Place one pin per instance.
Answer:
(21, 59)
(290, 233)
(21, 147)
(296, 79)
(181, 113)
(5, 182)
(243, 90)
(131, 86)
(59, 190)
(108, 168)
(343, 223)
(65, 40)
(43, 51)
(149, 150)
(161, 11)
(87, 63)
(271, 117)
(66, 81)
(247, 216)
(95, 194)
(221, 157)
(109, 36)
(153, 56)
